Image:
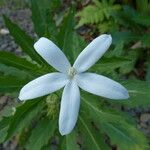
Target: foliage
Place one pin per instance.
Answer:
(100, 14)
(101, 123)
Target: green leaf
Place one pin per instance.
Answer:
(10, 84)
(125, 18)
(125, 136)
(42, 18)
(122, 133)
(92, 139)
(78, 45)
(91, 106)
(148, 70)
(139, 92)
(12, 60)
(23, 116)
(146, 40)
(41, 134)
(143, 6)
(3, 128)
(7, 111)
(3, 134)
(133, 55)
(110, 64)
(11, 71)
(97, 13)
(118, 50)
(69, 142)
(22, 39)
(65, 36)
(125, 36)
(142, 20)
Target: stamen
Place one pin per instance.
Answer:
(72, 72)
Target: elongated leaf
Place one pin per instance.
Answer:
(148, 70)
(12, 60)
(22, 39)
(146, 40)
(65, 36)
(78, 45)
(125, 37)
(139, 92)
(142, 20)
(10, 84)
(23, 116)
(125, 136)
(69, 142)
(91, 107)
(110, 64)
(142, 6)
(41, 134)
(42, 18)
(3, 134)
(11, 71)
(92, 139)
(3, 128)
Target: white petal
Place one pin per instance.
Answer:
(102, 86)
(52, 54)
(92, 53)
(43, 85)
(69, 108)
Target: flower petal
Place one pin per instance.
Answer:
(52, 54)
(102, 86)
(43, 85)
(69, 109)
(92, 53)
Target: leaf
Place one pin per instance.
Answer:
(3, 128)
(108, 26)
(125, 36)
(142, 6)
(118, 50)
(3, 134)
(122, 133)
(110, 64)
(92, 107)
(11, 71)
(125, 18)
(69, 142)
(125, 136)
(23, 116)
(142, 20)
(42, 17)
(92, 139)
(22, 39)
(7, 111)
(146, 40)
(65, 36)
(96, 13)
(89, 14)
(10, 84)
(12, 60)
(133, 56)
(139, 92)
(78, 45)
(41, 134)
(99, 109)
(148, 70)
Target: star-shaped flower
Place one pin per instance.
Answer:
(71, 78)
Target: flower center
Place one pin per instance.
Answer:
(72, 72)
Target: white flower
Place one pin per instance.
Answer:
(72, 78)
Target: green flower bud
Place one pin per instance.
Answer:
(52, 102)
